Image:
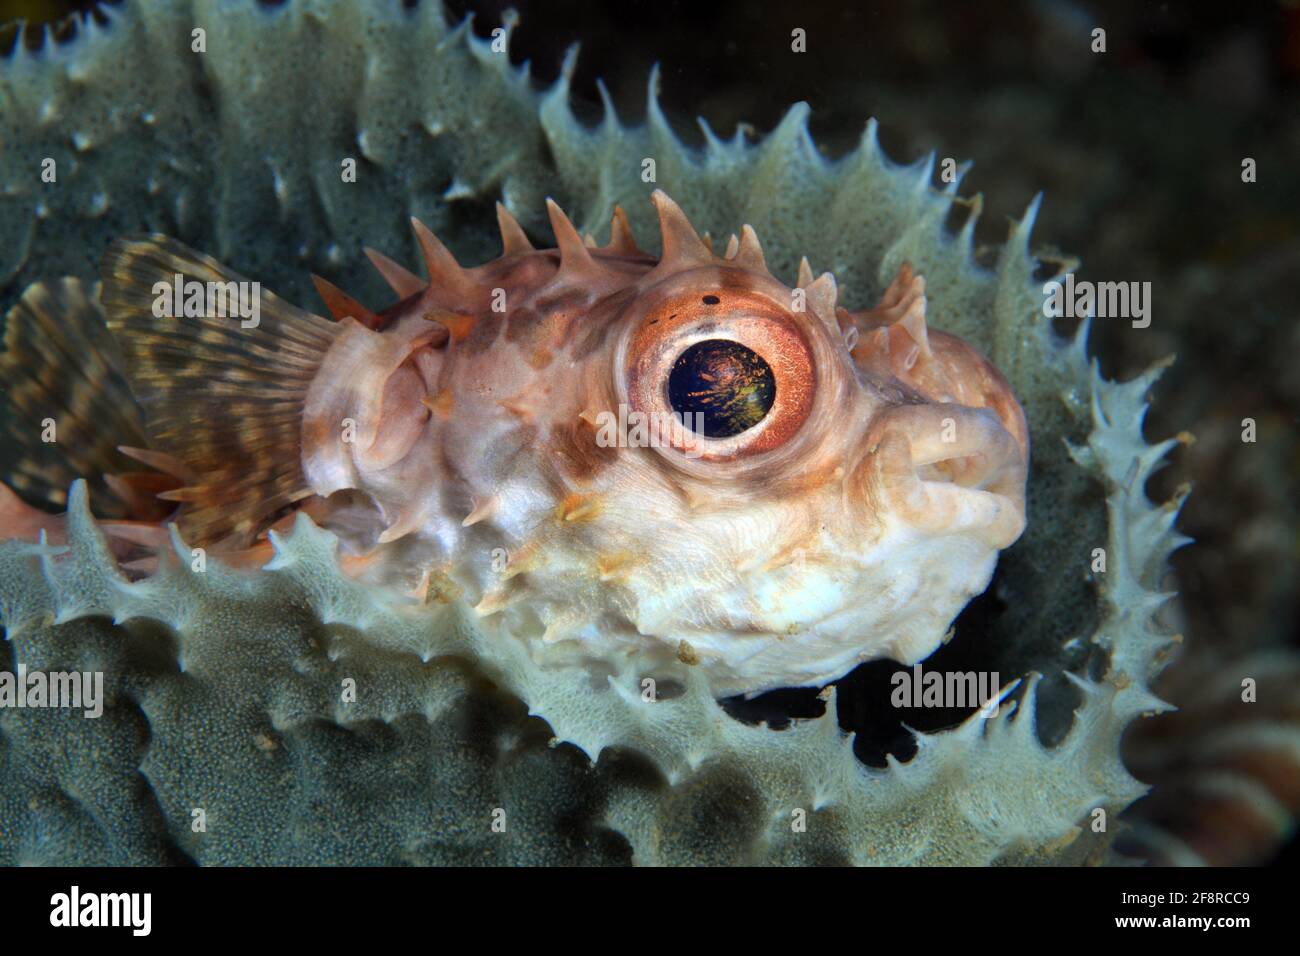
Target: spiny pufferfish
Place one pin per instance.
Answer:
(611, 456)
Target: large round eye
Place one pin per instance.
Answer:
(721, 388)
(723, 373)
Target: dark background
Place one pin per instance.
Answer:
(1138, 151)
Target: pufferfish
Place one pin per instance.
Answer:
(613, 457)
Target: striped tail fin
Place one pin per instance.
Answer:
(66, 405)
(221, 394)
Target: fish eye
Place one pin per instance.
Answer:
(721, 388)
(730, 371)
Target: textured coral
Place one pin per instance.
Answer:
(224, 687)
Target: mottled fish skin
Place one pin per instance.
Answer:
(457, 442)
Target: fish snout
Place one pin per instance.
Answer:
(943, 469)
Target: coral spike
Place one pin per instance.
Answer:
(513, 240)
(681, 243)
(399, 279)
(342, 305)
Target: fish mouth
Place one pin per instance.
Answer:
(945, 469)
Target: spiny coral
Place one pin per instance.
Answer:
(224, 688)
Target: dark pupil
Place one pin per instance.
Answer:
(726, 387)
